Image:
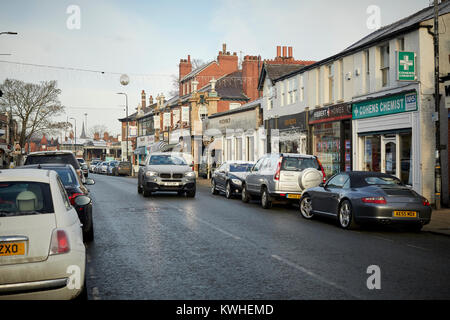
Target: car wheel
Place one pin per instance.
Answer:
(266, 202)
(306, 207)
(191, 194)
(146, 192)
(346, 216)
(139, 188)
(245, 196)
(228, 192)
(89, 235)
(213, 187)
(414, 227)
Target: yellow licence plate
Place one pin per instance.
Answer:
(12, 249)
(294, 196)
(405, 214)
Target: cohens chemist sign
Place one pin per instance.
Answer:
(385, 106)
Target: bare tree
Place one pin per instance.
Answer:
(98, 128)
(34, 106)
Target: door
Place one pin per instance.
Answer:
(390, 154)
(328, 200)
(220, 176)
(253, 177)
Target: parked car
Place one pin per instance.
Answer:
(93, 164)
(165, 171)
(103, 167)
(74, 187)
(281, 177)
(85, 169)
(81, 161)
(40, 237)
(42, 157)
(111, 165)
(123, 168)
(229, 176)
(360, 197)
(98, 167)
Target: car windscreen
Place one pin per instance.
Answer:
(299, 164)
(19, 198)
(57, 158)
(166, 160)
(67, 176)
(241, 167)
(383, 181)
(125, 164)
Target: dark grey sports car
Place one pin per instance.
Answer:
(360, 197)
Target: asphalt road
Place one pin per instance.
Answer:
(208, 247)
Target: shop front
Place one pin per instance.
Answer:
(331, 137)
(142, 147)
(386, 133)
(293, 133)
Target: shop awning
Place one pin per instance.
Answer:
(139, 151)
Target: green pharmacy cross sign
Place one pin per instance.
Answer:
(406, 66)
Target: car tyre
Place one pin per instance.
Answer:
(266, 201)
(346, 216)
(191, 193)
(139, 188)
(228, 192)
(213, 187)
(306, 207)
(89, 235)
(245, 196)
(146, 193)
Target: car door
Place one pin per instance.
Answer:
(328, 200)
(254, 177)
(220, 176)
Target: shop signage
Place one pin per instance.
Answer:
(332, 113)
(406, 66)
(293, 121)
(384, 106)
(132, 131)
(242, 120)
(143, 141)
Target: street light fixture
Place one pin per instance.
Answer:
(75, 148)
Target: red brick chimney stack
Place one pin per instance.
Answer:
(278, 51)
(185, 67)
(143, 101)
(290, 52)
(251, 67)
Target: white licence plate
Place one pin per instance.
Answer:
(171, 183)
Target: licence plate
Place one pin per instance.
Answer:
(171, 183)
(405, 214)
(12, 249)
(294, 196)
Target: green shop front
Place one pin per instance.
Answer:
(386, 136)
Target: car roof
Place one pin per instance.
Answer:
(49, 152)
(32, 175)
(239, 162)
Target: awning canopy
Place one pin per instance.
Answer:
(139, 151)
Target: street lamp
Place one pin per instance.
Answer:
(126, 99)
(75, 134)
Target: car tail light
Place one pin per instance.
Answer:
(425, 202)
(378, 200)
(277, 174)
(73, 196)
(59, 243)
(324, 179)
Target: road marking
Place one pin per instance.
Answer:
(412, 246)
(313, 275)
(382, 238)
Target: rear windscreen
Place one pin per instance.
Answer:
(25, 198)
(125, 164)
(299, 164)
(59, 158)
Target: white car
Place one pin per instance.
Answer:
(42, 255)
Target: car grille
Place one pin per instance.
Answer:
(171, 176)
(177, 175)
(165, 175)
(166, 180)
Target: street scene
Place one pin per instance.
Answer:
(225, 158)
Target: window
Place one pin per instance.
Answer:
(229, 149)
(234, 105)
(331, 83)
(238, 148)
(367, 70)
(270, 95)
(342, 78)
(338, 181)
(302, 88)
(384, 65)
(166, 160)
(401, 44)
(250, 148)
(258, 164)
(289, 92)
(292, 91)
(282, 94)
(64, 194)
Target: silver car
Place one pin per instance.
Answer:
(164, 171)
(281, 177)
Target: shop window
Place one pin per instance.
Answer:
(405, 158)
(250, 148)
(238, 148)
(326, 146)
(372, 153)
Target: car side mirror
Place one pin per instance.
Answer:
(322, 184)
(82, 200)
(89, 182)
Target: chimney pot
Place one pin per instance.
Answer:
(224, 48)
(189, 58)
(290, 51)
(278, 51)
(284, 52)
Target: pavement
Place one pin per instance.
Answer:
(439, 224)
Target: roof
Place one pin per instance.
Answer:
(246, 107)
(276, 71)
(35, 175)
(402, 26)
(197, 70)
(49, 152)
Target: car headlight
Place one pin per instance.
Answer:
(151, 174)
(190, 174)
(236, 182)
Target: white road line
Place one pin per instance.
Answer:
(313, 275)
(416, 247)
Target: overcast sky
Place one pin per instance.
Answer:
(147, 39)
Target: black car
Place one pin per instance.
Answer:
(42, 157)
(360, 197)
(74, 188)
(229, 177)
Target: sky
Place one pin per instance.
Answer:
(146, 40)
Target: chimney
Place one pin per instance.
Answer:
(185, 67)
(224, 48)
(150, 100)
(290, 52)
(227, 63)
(250, 75)
(278, 51)
(284, 52)
(143, 99)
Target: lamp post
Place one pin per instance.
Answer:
(75, 134)
(126, 101)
